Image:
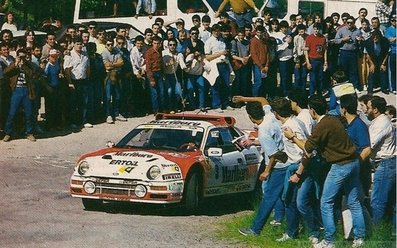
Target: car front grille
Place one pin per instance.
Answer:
(125, 189)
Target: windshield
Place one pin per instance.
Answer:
(162, 138)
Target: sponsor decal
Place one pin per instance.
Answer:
(133, 154)
(124, 169)
(172, 176)
(123, 162)
(173, 167)
(234, 174)
(175, 186)
(175, 122)
(213, 191)
(242, 187)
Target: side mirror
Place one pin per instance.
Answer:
(214, 152)
(109, 144)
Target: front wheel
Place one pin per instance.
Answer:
(92, 204)
(192, 194)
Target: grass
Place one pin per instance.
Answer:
(378, 237)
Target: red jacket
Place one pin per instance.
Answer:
(259, 52)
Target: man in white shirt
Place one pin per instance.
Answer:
(77, 71)
(383, 154)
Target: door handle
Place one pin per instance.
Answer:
(240, 160)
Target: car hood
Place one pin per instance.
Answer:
(134, 164)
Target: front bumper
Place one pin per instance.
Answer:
(124, 190)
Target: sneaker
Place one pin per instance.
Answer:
(365, 88)
(247, 232)
(358, 243)
(109, 120)
(121, 118)
(218, 110)
(284, 238)
(31, 137)
(275, 223)
(324, 244)
(7, 138)
(314, 240)
(358, 92)
(88, 125)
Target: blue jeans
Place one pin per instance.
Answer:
(157, 95)
(377, 76)
(243, 19)
(80, 101)
(220, 91)
(300, 75)
(348, 62)
(346, 176)
(306, 202)
(20, 96)
(196, 85)
(279, 207)
(242, 80)
(273, 192)
(286, 70)
(256, 87)
(383, 189)
(112, 92)
(316, 76)
(289, 196)
(173, 93)
(392, 71)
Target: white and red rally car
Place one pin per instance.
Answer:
(176, 158)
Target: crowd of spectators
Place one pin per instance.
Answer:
(89, 75)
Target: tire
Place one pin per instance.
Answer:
(192, 198)
(92, 204)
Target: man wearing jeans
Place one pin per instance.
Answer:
(270, 138)
(329, 137)
(383, 154)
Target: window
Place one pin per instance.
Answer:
(278, 8)
(309, 7)
(221, 138)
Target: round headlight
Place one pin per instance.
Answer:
(83, 167)
(153, 172)
(140, 190)
(89, 187)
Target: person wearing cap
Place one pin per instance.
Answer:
(146, 7)
(53, 73)
(348, 53)
(244, 10)
(390, 34)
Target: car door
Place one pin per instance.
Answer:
(228, 167)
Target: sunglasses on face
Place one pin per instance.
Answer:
(109, 44)
(193, 33)
(91, 27)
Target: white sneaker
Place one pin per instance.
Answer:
(275, 223)
(365, 87)
(314, 240)
(109, 120)
(358, 92)
(324, 244)
(358, 243)
(284, 238)
(121, 118)
(88, 125)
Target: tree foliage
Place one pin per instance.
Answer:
(34, 12)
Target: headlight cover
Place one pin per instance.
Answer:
(83, 167)
(153, 172)
(89, 187)
(140, 190)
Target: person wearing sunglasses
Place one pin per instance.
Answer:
(348, 53)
